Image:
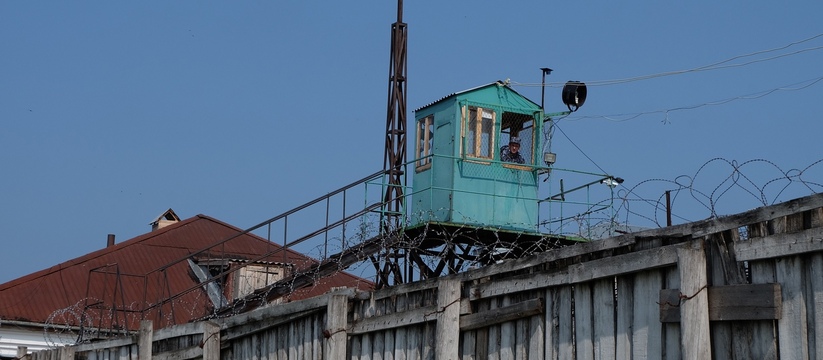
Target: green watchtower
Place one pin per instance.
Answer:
(465, 171)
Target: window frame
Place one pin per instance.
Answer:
(424, 149)
(477, 141)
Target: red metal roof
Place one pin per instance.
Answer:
(135, 275)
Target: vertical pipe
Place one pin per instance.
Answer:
(285, 235)
(668, 208)
(326, 241)
(343, 240)
(545, 71)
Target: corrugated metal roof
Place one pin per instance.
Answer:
(54, 295)
(496, 83)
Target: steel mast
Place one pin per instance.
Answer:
(395, 155)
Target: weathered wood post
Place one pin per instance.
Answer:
(448, 320)
(145, 339)
(694, 302)
(22, 351)
(335, 333)
(211, 341)
(67, 353)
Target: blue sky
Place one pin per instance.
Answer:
(113, 112)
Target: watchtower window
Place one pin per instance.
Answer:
(480, 133)
(520, 126)
(425, 143)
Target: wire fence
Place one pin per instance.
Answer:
(601, 207)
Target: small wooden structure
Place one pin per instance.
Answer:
(746, 286)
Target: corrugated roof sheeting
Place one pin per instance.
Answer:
(133, 274)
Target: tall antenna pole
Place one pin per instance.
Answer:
(395, 155)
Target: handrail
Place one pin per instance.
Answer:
(271, 220)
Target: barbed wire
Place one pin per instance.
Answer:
(718, 187)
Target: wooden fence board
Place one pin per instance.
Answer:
(781, 245)
(646, 327)
(671, 331)
(565, 337)
(400, 333)
(792, 324)
(815, 278)
(494, 334)
(583, 322)
(448, 319)
(625, 310)
(507, 333)
(536, 337)
(603, 308)
(596, 269)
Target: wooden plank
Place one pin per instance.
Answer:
(354, 351)
(625, 313)
(536, 337)
(65, 353)
(792, 325)
(365, 346)
(502, 314)
(190, 352)
(766, 213)
(493, 331)
(400, 333)
(521, 339)
(417, 286)
(583, 322)
(249, 329)
(815, 278)
(567, 252)
(595, 269)
(565, 333)
(603, 308)
(336, 328)
(729, 303)
(646, 329)
(285, 309)
(394, 320)
(551, 323)
(448, 319)
(694, 329)
(178, 331)
(780, 245)
(671, 337)
(482, 335)
(413, 340)
(469, 342)
(507, 332)
(126, 341)
(388, 341)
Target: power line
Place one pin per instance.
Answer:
(713, 66)
(752, 96)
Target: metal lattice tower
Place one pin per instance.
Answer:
(395, 155)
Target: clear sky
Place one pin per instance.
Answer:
(113, 112)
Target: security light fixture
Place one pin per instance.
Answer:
(549, 158)
(612, 182)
